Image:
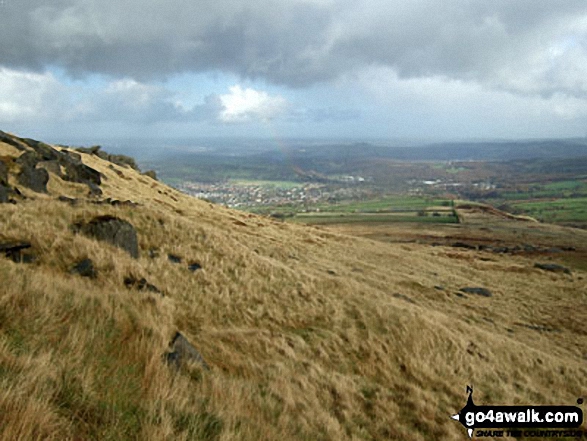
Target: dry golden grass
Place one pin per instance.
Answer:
(305, 334)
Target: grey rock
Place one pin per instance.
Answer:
(44, 151)
(194, 266)
(183, 351)
(79, 172)
(73, 157)
(89, 150)
(4, 194)
(71, 201)
(3, 173)
(34, 178)
(398, 295)
(553, 267)
(95, 190)
(52, 167)
(141, 284)
(15, 251)
(151, 174)
(7, 139)
(464, 245)
(113, 230)
(477, 290)
(84, 268)
(28, 159)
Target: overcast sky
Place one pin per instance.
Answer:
(305, 68)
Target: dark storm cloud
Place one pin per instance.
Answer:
(527, 46)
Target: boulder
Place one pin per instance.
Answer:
(89, 150)
(476, 290)
(398, 295)
(553, 267)
(84, 268)
(194, 266)
(76, 171)
(113, 230)
(464, 245)
(34, 178)
(183, 351)
(15, 251)
(52, 166)
(173, 258)
(71, 201)
(141, 284)
(44, 151)
(95, 189)
(151, 174)
(3, 173)
(28, 159)
(4, 194)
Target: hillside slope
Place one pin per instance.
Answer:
(308, 334)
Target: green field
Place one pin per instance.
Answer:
(340, 218)
(386, 204)
(557, 210)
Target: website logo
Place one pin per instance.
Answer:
(529, 418)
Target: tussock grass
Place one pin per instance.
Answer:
(300, 325)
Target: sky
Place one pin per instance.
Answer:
(361, 69)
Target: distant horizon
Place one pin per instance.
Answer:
(177, 141)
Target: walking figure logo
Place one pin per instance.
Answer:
(519, 417)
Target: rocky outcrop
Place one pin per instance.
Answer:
(7, 139)
(41, 158)
(121, 160)
(113, 230)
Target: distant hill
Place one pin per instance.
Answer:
(129, 310)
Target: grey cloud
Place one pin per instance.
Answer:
(501, 43)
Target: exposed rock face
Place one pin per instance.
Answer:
(4, 194)
(44, 151)
(121, 160)
(479, 291)
(3, 173)
(28, 159)
(183, 351)
(5, 138)
(111, 229)
(67, 165)
(34, 178)
(77, 171)
(4, 188)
